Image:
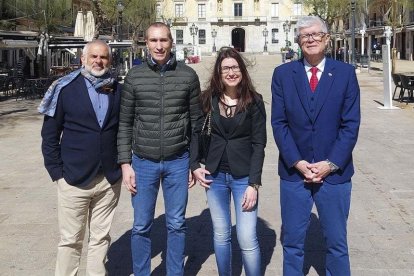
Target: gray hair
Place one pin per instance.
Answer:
(97, 41)
(309, 21)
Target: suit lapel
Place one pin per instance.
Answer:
(216, 116)
(300, 79)
(324, 85)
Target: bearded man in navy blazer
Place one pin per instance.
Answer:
(315, 120)
(80, 153)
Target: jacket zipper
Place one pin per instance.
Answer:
(162, 117)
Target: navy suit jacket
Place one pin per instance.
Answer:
(74, 146)
(319, 126)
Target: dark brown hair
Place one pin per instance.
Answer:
(246, 92)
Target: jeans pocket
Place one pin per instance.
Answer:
(183, 155)
(137, 158)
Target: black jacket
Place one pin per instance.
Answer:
(244, 144)
(74, 146)
(158, 111)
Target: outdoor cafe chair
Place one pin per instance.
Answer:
(397, 82)
(21, 88)
(406, 85)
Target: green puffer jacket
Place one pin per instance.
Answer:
(158, 111)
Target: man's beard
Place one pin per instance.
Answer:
(95, 72)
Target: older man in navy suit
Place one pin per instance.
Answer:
(315, 120)
(80, 153)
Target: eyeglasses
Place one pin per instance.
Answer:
(226, 69)
(315, 36)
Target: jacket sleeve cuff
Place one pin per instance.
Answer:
(195, 166)
(56, 173)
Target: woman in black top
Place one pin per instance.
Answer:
(233, 165)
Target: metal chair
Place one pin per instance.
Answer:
(397, 82)
(406, 85)
(20, 88)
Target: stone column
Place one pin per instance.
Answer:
(386, 69)
(362, 41)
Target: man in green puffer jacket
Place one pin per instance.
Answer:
(159, 110)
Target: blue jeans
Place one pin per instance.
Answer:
(332, 202)
(219, 196)
(173, 176)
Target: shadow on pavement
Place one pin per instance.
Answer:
(199, 246)
(315, 248)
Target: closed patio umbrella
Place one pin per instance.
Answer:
(79, 25)
(89, 26)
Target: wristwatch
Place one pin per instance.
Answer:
(332, 166)
(255, 186)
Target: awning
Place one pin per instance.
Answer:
(17, 44)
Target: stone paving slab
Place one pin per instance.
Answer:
(381, 222)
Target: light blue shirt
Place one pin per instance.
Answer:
(99, 102)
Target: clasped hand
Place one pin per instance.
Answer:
(313, 172)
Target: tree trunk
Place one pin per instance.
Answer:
(100, 17)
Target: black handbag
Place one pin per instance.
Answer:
(205, 137)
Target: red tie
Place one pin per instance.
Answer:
(314, 79)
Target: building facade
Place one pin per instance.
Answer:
(248, 25)
(373, 31)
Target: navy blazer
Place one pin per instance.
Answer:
(74, 146)
(244, 143)
(319, 126)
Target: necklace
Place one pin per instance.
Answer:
(228, 109)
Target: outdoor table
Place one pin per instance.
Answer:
(410, 75)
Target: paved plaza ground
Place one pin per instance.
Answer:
(381, 222)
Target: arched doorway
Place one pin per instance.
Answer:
(237, 39)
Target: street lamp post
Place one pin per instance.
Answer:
(214, 34)
(265, 33)
(353, 33)
(193, 31)
(120, 8)
(286, 29)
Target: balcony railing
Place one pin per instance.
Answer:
(376, 23)
(233, 19)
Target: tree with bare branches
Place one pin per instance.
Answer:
(395, 13)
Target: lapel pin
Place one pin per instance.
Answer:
(330, 74)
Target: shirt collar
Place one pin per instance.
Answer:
(320, 66)
(163, 67)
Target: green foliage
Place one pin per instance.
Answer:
(135, 11)
(7, 25)
(395, 11)
(138, 14)
(328, 10)
(45, 14)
